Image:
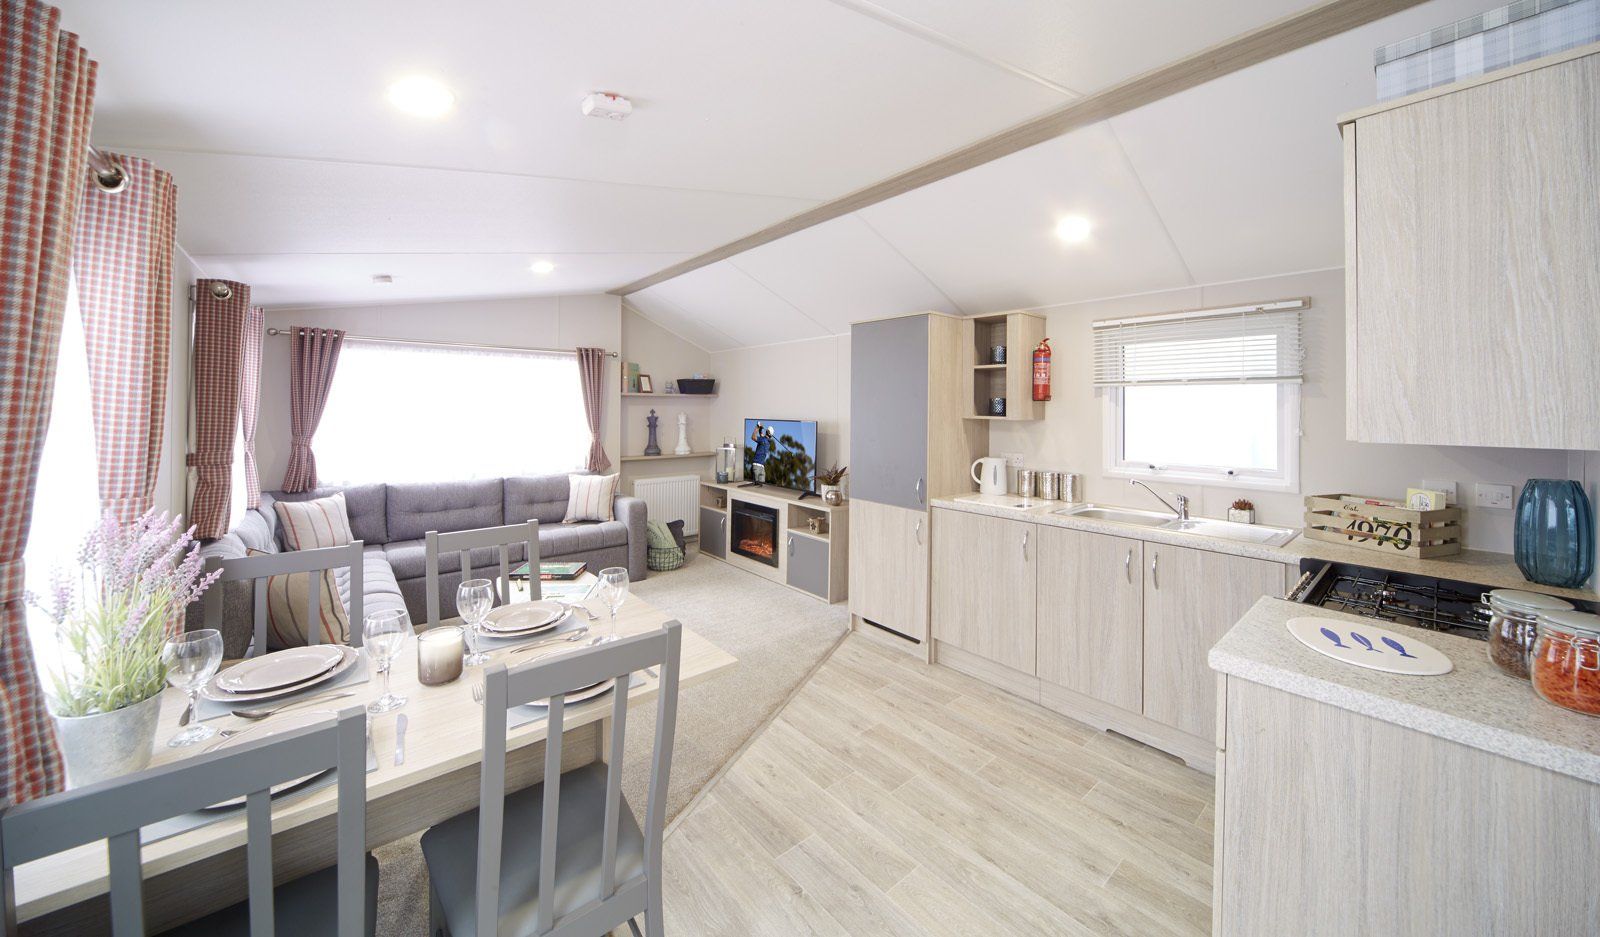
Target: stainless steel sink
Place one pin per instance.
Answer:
(1100, 512)
(1014, 502)
(1202, 526)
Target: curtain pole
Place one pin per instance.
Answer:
(379, 339)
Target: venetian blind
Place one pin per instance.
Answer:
(1238, 344)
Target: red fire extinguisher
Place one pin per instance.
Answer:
(1041, 371)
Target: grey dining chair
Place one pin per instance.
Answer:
(565, 858)
(464, 542)
(257, 569)
(339, 900)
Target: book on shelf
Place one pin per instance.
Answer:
(552, 572)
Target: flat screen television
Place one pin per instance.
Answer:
(782, 453)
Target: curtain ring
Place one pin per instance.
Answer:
(221, 290)
(111, 180)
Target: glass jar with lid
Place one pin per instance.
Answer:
(1512, 614)
(1566, 660)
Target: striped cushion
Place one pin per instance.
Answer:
(286, 609)
(589, 497)
(308, 525)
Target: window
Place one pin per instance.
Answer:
(1211, 396)
(405, 413)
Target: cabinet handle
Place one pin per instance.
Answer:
(1024, 544)
(1155, 580)
(1127, 566)
(917, 532)
(791, 544)
(920, 499)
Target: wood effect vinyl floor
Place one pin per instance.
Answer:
(889, 797)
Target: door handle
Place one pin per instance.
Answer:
(1024, 544)
(1127, 567)
(920, 499)
(1155, 580)
(791, 544)
(917, 532)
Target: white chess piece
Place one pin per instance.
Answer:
(683, 435)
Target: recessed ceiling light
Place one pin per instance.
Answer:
(383, 278)
(1074, 229)
(421, 96)
(542, 267)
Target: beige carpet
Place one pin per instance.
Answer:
(779, 637)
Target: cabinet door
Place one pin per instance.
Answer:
(889, 567)
(1091, 615)
(984, 586)
(807, 564)
(1191, 599)
(889, 411)
(714, 532)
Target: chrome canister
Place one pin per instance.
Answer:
(1049, 485)
(1026, 479)
(1071, 487)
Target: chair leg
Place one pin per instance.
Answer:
(436, 924)
(652, 908)
(633, 925)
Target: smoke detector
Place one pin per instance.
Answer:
(383, 278)
(606, 104)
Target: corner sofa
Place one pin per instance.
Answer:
(392, 520)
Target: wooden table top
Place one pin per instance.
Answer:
(444, 734)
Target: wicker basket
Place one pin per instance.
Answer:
(661, 560)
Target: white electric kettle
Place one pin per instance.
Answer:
(990, 474)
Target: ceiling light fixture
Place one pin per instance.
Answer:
(1074, 229)
(542, 267)
(383, 278)
(421, 96)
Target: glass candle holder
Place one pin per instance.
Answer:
(439, 655)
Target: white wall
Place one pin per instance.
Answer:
(665, 357)
(538, 321)
(172, 477)
(805, 380)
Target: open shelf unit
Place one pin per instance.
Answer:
(667, 455)
(813, 562)
(1012, 379)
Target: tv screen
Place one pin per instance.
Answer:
(781, 452)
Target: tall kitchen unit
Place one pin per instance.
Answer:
(908, 445)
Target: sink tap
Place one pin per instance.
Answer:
(1182, 510)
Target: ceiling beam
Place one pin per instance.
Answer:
(1322, 21)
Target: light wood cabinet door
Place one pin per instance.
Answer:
(984, 586)
(889, 549)
(1471, 238)
(1191, 599)
(1091, 615)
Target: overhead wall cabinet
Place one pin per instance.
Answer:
(1010, 380)
(1471, 237)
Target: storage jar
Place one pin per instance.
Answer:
(1512, 618)
(1566, 660)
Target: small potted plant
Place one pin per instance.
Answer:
(828, 481)
(1242, 512)
(134, 582)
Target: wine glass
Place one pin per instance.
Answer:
(474, 599)
(382, 634)
(613, 590)
(191, 660)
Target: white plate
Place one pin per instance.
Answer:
(216, 694)
(1389, 651)
(287, 722)
(280, 669)
(580, 696)
(525, 617)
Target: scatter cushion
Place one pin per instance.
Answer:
(676, 528)
(589, 497)
(286, 609)
(307, 525)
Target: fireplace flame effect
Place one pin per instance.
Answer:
(761, 548)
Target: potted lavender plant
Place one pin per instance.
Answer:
(134, 581)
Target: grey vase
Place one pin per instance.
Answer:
(108, 745)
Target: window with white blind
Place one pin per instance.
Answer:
(409, 413)
(1209, 397)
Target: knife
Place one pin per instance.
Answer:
(372, 751)
(400, 740)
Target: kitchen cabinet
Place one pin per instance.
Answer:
(1191, 599)
(889, 550)
(1471, 235)
(984, 598)
(889, 411)
(807, 564)
(714, 532)
(1091, 615)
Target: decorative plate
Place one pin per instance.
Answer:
(1370, 646)
(280, 668)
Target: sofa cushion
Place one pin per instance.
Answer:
(541, 498)
(415, 509)
(589, 498)
(566, 539)
(365, 505)
(409, 558)
(287, 625)
(379, 590)
(308, 525)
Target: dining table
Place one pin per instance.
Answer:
(193, 873)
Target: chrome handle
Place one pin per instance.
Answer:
(1025, 544)
(791, 544)
(1155, 580)
(920, 499)
(917, 532)
(1127, 566)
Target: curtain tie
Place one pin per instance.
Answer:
(299, 440)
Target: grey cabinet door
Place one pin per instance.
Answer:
(714, 532)
(808, 564)
(889, 411)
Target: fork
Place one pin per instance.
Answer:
(580, 607)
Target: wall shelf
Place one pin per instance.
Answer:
(1019, 332)
(630, 393)
(667, 455)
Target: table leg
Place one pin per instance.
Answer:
(602, 741)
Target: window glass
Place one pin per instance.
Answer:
(1225, 426)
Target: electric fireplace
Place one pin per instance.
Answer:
(755, 532)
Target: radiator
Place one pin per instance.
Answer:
(672, 498)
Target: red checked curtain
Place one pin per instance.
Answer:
(218, 362)
(250, 399)
(316, 355)
(122, 259)
(46, 93)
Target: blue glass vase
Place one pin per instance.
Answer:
(1554, 539)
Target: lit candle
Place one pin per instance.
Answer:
(439, 652)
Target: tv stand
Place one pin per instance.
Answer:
(812, 562)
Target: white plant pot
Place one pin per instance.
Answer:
(108, 745)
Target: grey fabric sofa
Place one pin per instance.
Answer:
(392, 520)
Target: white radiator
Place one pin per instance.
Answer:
(672, 498)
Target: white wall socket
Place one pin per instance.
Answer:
(1494, 496)
(1013, 459)
(1448, 487)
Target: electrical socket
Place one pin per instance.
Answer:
(1494, 496)
(1013, 459)
(1448, 487)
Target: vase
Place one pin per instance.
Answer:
(108, 745)
(831, 494)
(1554, 540)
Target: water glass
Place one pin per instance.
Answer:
(192, 660)
(613, 590)
(474, 600)
(382, 635)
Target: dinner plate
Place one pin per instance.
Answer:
(280, 669)
(216, 694)
(580, 696)
(278, 725)
(525, 617)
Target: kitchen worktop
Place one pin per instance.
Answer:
(1496, 570)
(1475, 704)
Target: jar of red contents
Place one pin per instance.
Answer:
(1566, 660)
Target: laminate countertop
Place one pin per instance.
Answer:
(1496, 570)
(1475, 704)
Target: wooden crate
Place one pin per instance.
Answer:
(1388, 527)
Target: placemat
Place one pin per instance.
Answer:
(357, 674)
(524, 715)
(570, 622)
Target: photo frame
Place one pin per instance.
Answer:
(645, 387)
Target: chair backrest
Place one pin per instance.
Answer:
(464, 542)
(115, 810)
(309, 562)
(552, 680)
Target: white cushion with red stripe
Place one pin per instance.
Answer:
(307, 525)
(286, 609)
(589, 497)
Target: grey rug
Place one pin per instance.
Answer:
(779, 637)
